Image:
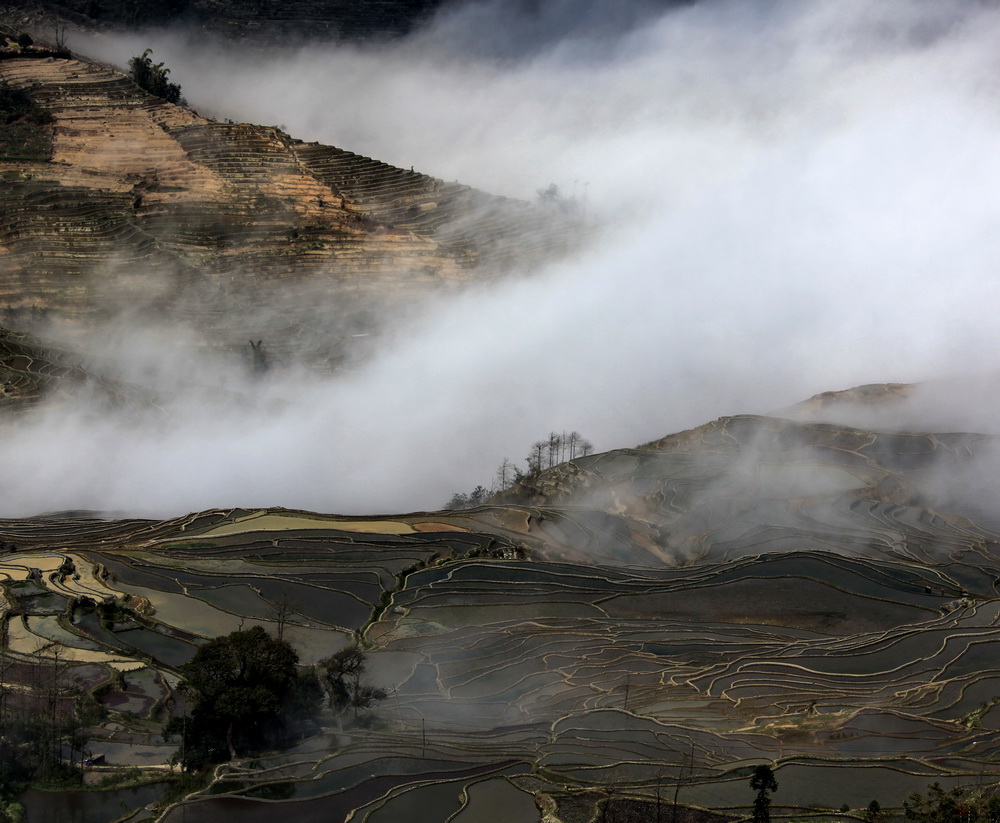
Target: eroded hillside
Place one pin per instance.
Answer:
(145, 206)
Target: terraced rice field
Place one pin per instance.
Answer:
(754, 591)
(134, 184)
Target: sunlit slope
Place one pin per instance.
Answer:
(147, 206)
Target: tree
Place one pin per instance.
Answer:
(940, 806)
(476, 497)
(549, 195)
(38, 716)
(259, 355)
(344, 673)
(238, 683)
(457, 501)
(763, 783)
(152, 77)
(282, 610)
(573, 443)
(544, 454)
(505, 474)
(873, 813)
(554, 447)
(537, 456)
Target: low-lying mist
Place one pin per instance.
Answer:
(792, 198)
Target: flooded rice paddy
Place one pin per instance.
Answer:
(758, 592)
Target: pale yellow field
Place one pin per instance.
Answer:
(18, 566)
(262, 521)
(22, 641)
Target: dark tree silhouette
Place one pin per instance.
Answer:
(344, 673)
(956, 804)
(259, 355)
(537, 456)
(763, 783)
(152, 77)
(238, 683)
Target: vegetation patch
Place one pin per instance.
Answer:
(25, 128)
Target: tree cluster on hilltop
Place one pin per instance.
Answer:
(152, 77)
(544, 454)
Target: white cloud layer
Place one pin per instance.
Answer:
(794, 197)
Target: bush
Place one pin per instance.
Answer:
(152, 77)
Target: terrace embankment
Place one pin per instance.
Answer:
(146, 205)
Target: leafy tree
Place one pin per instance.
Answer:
(152, 77)
(763, 783)
(239, 683)
(873, 813)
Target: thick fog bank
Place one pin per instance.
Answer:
(795, 197)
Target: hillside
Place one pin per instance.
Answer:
(132, 203)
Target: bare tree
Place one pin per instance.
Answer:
(344, 672)
(573, 443)
(537, 456)
(505, 474)
(555, 442)
(282, 610)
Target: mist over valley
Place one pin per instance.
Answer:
(712, 284)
